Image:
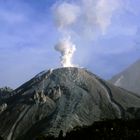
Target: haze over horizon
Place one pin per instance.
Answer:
(28, 35)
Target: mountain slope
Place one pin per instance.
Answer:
(129, 79)
(62, 99)
(5, 92)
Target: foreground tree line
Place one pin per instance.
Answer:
(107, 130)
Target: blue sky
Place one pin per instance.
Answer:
(28, 35)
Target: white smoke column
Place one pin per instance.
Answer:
(66, 15)
(90, 17)
(66, 48)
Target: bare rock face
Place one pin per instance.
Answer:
(62, 99)
(3, 107)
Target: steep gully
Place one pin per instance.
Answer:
(21, 116)
(109, 95)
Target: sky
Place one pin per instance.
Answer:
(28, 34)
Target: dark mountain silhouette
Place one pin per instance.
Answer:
(129, 79)
(57, 101)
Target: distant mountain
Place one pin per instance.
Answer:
(57, 101)
(129, 79)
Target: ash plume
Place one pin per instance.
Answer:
(66, 14)
(96, 15)
(66, 48)
(92, 17)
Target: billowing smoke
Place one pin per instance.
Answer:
(66, 48)
(66, 14)
(90, 16)
(97, 14)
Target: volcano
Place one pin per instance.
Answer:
(62, 99)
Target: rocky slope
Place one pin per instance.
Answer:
(62, 99)
(129, 79)
(5, 92)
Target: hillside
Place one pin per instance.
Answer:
(62, 99)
